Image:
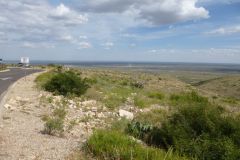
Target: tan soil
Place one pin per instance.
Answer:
(20, 130)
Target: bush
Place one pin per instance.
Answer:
(198, 129)
(3, 67)
(55, 124)
(67, 83)
(137, 85)
(115, 145)
(156, 95)
(186, 99)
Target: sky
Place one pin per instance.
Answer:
(206, 31)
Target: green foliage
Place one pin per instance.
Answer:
(54, 124)
(43, 78)
(156, 95)
(198, 129)
(115, 145)
(2, 67)
(186, 99)
(138, 130)
(154, 117)
(231, 100)
(140, 101)
(66, 83)
(138, 85)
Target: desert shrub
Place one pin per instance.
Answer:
(43, 78)
(186, 99)
(231, 100)
(54, 124)
(154, 117)
(67, 83)
(3, 67)
(197, 129)
(106, 144)
(140, 101)
(137, 85)
(156, 95)
(138, 130)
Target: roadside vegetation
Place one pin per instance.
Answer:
(3, 67)
(66, 83)
(197, 128)
(174, 120)
(54, 123)
(116, 145)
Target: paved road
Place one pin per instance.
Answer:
(8, 78)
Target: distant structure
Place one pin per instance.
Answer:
(25, 61)
(1, 64)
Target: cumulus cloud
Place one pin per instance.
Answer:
(225, 30)
(67, 16)
(37, 21)
(37, 45)
(84, 45)
(156, 12)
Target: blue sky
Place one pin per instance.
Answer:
(121, 30)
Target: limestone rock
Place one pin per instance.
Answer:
(126, 114)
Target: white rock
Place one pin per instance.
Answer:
(126, 114)
(94, 109)
(9, 107)
(100, 115)
(18, 98)
(89, 103)
(71, 102)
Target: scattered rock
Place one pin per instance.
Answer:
(100, 115)
(126, 114)
(89, 103)
(8, 106)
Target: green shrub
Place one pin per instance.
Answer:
(115, 145)
(139, 101)
(156, 95)
(3, 67)
(198, 129)
(138, 130)
(54, 124)
(191, 98)
(67, 83)
(137, 85)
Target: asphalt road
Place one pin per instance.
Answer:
(8, 78)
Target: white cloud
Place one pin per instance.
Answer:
(67, 16)
(226, 52)
(67, 38)
(83, 37)
(211, 2)
(37, 21)
(108, 45)
(156, 12)
(37, 45)
(84, 45)
(225, 30)
(62, 10)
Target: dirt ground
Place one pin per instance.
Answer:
(21, 126)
